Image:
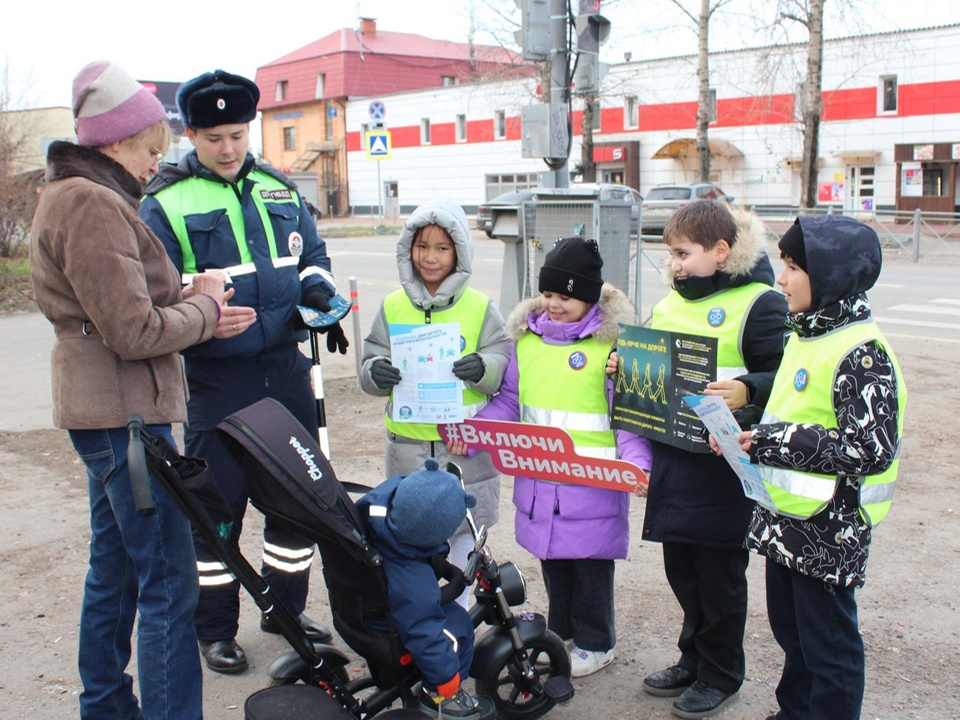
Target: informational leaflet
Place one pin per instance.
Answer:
(719, 421)
(428, 391)
(656, 369)
(339, 307)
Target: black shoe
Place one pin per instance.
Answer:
(224, 656)
(668, 683)
(460, 706)
(700, 700)
(315, 631)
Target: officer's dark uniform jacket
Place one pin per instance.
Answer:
(696, 497)
(259, 229)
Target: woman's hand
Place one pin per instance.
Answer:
(209, 283)
(456, 447)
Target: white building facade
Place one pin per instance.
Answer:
(890, 131)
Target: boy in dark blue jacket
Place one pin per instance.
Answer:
(410, 519)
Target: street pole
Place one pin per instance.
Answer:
(559, 83)
(380, 192)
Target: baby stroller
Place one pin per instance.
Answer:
(520, 666)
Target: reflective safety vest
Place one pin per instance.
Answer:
(199, 199)
(803, 393)
(565, 386)
(721, 316)
(470, 311)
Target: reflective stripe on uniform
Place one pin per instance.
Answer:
(585, 422)
(245, 268)
(213, 573)
(289, 560)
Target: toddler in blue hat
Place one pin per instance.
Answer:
(410, 519)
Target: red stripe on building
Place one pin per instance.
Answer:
(854, 104)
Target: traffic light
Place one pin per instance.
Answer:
(593, 29)
(533, 37)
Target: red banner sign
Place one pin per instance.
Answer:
(544, 453)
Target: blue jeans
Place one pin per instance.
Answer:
(816, 625)
(139, 562)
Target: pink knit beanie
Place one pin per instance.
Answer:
(110, 106)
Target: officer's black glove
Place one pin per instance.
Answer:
(469, 368)
(336, 339)
(384, 375)
(318, 299)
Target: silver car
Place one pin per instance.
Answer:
(662, 200)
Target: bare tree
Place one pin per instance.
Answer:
(18, 188)
(809, 13)
(705, 101)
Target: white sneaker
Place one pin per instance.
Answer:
(587, 662)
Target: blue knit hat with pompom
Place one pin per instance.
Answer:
(428, 506)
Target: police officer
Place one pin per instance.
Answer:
(220, 208)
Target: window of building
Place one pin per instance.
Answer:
(461, 128)
(321, 85)
(500, 124)
(888, 94)
(329, 114)
(281, 93)
(498, 184)
(289, 138)
(631, 111)
(425, 131)
(448, 81)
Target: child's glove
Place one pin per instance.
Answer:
(469, 368)
(384, 375)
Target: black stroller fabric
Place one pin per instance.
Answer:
(289, 479)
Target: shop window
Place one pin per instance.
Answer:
(888, 94)
(425, 131)
(933, 184)
(289, 138)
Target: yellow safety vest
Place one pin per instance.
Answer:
(565, 386)
(803, 393)
(721, 316)
(469, 311)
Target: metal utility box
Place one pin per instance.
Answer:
(596, 212)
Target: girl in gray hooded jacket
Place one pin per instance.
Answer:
(435, 260)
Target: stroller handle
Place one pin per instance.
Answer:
(137, 462)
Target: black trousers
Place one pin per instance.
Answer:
(816, 625)
(580, 593)
(711, 586)
(219, 388)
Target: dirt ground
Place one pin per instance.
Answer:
(908, 609)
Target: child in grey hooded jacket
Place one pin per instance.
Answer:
(435, 260)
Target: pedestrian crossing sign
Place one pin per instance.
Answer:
(378, 145)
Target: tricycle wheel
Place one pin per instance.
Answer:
(520, 698)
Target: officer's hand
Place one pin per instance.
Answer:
(318, 299)
(336, 339)
(469, 368)
(384, 375)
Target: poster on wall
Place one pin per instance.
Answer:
(923, 152)
(830, 192)
(911, 180)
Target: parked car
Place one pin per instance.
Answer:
(663, 200)
(509, 200)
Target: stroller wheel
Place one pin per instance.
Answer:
(517, 698)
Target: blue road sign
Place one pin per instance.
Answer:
(377, 110)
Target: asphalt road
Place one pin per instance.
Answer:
(912, 302)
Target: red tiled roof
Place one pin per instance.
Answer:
(389, 62)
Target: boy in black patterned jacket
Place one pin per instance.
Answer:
(827, 447)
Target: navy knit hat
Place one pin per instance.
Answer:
(428, 507)
(217, 98)
(572, 268)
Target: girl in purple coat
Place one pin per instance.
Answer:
(556, 377)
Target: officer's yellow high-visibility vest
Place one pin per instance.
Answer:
(565, 386)
(469, 311)
(803, 393)
(719, 316)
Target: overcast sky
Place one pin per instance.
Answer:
(45, 42)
